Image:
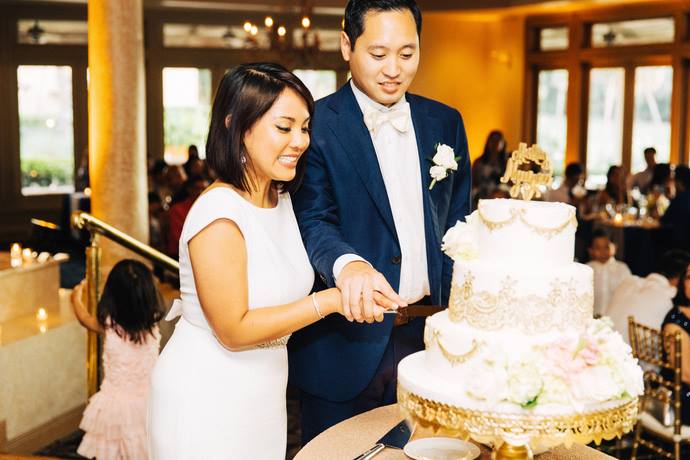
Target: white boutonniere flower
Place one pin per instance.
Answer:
(444, 161)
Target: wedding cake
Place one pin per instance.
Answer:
(518, 336)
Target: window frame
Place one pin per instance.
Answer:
(580, 57)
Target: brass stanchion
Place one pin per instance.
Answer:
(93, 277)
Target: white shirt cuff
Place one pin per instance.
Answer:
(343, 260)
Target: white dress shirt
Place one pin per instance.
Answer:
(398, 159)
(607, 277)
(647, 299)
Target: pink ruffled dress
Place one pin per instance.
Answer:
(115, 418)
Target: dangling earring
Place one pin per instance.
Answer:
(243, 159)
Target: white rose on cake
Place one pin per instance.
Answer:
(596, 384)
(460, 241)
(524, 384)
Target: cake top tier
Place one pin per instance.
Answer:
(515, 231)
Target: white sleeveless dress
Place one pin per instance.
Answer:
(206, 401)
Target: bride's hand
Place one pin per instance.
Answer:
(334, 303)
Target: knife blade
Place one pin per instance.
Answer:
(396, 438)
(414, 311)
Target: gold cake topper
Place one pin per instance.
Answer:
(527, 182)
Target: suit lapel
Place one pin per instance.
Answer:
(427, 130)
(354, 137)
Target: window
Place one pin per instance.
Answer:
(553, 38)
(637, 32)
(321, 83)
(186, 111)
(46, 133)
(44, 32)
(652, 117)
(605, 125)
(551, 115)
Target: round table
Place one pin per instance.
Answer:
(350, 438)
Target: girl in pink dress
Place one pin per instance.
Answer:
(130, 307)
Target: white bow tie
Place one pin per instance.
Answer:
(398, 117)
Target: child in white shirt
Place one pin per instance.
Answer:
(609, 273)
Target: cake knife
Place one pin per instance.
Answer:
(396, 438)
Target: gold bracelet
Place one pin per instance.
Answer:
(316, 305)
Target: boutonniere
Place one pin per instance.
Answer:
(445, 162)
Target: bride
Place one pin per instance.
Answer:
(218, 388)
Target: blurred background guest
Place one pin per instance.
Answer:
(614, 192)
(178, 212)
(643, 179)
(678, 320)
(609, 273)
(489, 167)
(572, 189)
(648, 299)
(677, 216)
(662, 189)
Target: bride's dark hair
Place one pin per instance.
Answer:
(131, 305)
(245, 94)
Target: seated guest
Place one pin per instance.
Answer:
(609, 273)
(643, 179)
(489, 167)
(678, 320)
(662, 189)
(571, 188)
(614, 192)
(677, 216)
(178, 212)
(648, 299)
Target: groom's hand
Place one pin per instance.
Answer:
(363, 289)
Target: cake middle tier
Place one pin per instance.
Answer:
(529, 299)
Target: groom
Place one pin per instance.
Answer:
(369, 216)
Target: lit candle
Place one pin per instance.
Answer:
(618, 218)
(42, 314)
(42, 328)
(16, 255)
(27, 255)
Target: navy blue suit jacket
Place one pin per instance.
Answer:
(342, 207)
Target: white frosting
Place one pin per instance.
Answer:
(527, 234)
(415, 377)
(490, 295)
(507, 371)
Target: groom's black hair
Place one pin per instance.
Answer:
(357, 9)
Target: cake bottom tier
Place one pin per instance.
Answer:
(507, 371)
(415, 377)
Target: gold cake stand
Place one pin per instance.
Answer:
(512, 434)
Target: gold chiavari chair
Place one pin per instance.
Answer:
(661, 396)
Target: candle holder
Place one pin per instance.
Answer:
(16, 255)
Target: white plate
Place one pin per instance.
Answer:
(441, 449)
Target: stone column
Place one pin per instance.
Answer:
(117, 120)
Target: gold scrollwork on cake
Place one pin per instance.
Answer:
(551, 430)
(520, 214)
(432, 335)
(560, 308)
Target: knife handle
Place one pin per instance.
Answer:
(368, 455)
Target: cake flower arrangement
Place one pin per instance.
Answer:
(577, 370)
